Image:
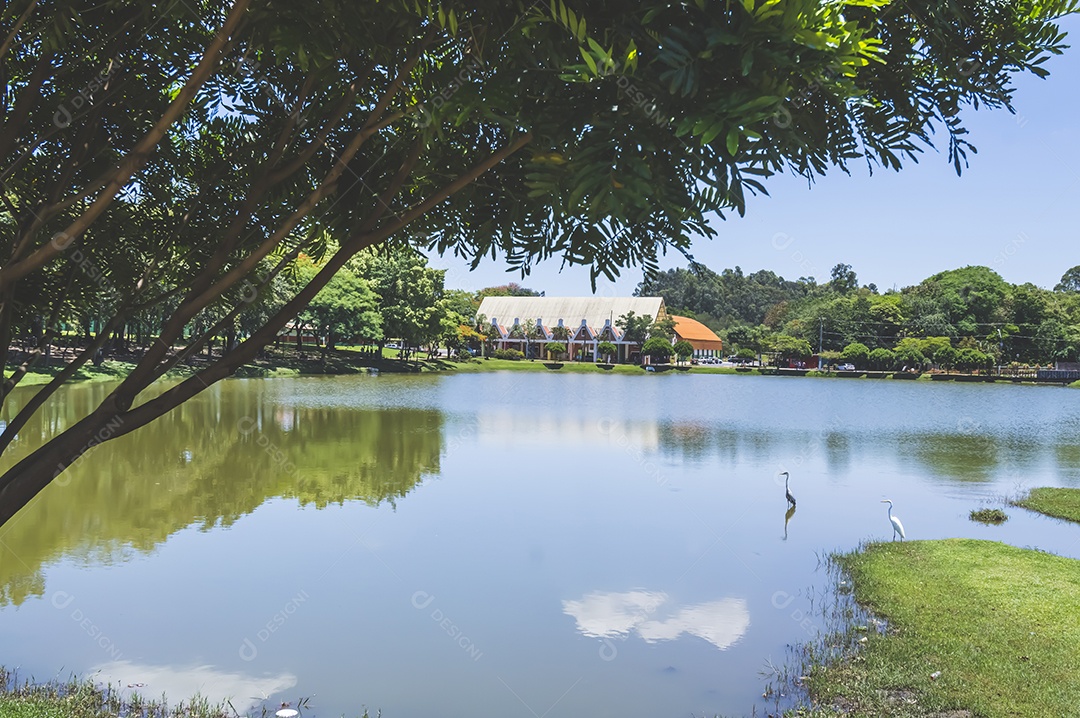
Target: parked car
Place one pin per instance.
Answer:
(846, 367)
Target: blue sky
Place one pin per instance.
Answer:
(1015, 209)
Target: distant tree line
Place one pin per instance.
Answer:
(962, 318)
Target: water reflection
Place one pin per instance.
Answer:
(213, 460)
(551, 486)
(954, 455)
(787, 518)
(215, 684)
(617, 615)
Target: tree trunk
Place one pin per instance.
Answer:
(22, 482)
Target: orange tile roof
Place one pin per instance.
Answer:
(693, 330)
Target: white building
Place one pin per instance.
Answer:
(528, 323)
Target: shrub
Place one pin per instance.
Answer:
(989, 516)
(555, 349)
(946, 357)
(909, 357)
(745, 354)
(607, 350)
(882, 358)
(971, 359)
(657, 348)
(511, 354)
(856, 353)
(683, 349)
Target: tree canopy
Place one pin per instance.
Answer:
(165, 169)
(1021, 323)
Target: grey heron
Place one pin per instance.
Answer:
(787, 491)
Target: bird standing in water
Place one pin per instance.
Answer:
(897, 527)
(787, 491)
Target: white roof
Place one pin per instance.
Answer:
(595, 310)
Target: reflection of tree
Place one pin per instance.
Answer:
(1068, 461)
(963, 457)
(209, 462)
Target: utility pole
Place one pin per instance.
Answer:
(820, 341)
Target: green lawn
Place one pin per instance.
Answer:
(108, 371)
(525, 365)
(1000, 623)
(1059, 503)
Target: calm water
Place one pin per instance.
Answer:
(500, 544)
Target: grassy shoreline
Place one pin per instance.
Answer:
(974, 628)
(85, 699)
(1058, 503)
(345, 361)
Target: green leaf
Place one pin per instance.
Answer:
(588, 60)
(733, 141)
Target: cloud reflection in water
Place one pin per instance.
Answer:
(610, 614)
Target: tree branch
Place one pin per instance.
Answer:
(136, 158)
(18, 26)
(42, 395)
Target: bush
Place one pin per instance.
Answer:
(971, 359)
(607, 350)
(683, 349)
(882, 358)
(746, 355)
(657, 347)
(555, 349)
(946, 357)
(856, 353)
(909, 357)
(511, 354)
(989, 516)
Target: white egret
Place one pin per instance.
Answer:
(897, 527)
(787, 491)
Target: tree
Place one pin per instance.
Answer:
(658, 348)
(882, 359)
(555, 349)
(463, 303)
(745, 354)
(664, 328)
(946, 357)
(607, 350)
(971, 359)
(1070, 281)
(180, 165)
(345, 308)
(683, 349)
(634, 328)
(932, 347)
(513, 289)
(410, 295)
(843, 279)
(908, 356)
(856, 353)
(789, 347)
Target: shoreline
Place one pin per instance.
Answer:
(343, 362)
(901, 641)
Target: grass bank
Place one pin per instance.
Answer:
(1059, 503)
(979, 628)
(84, 699)
(480, 365)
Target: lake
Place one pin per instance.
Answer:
(503, 544)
